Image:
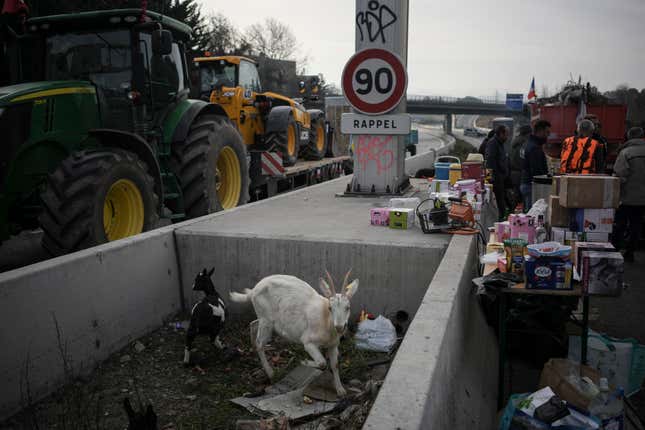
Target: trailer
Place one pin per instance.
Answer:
(269, 177)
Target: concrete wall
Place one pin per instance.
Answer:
(426, 160)
(445, 372)
(392, 277)
(102, 298)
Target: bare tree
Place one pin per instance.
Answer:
(273, 39)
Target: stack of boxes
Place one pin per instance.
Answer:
(581, 214)
(399, 215)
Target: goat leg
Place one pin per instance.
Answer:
(190, 337)
(264, 329)
(333, 362)
(319, 361)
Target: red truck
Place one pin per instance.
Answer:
(612, 117)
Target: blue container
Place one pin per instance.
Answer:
(442, 168)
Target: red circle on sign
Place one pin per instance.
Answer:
(399, 90)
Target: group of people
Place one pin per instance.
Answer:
(583, 153)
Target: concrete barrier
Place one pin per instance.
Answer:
(445, 371)
(101, 298)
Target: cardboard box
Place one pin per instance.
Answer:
(547, 273)
(408, 203)
(580, 247)
(522, 227)
(564, 236)
(602, 273)
(557, 215)
(594, 220)
(589, 191)
(380, 216)
(401, 218)
(555, 186)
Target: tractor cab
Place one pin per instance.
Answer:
(216, 73)
(134, 64)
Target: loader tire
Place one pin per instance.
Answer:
(97, 196)
(211, 166)
(317, 145)
(287, 142)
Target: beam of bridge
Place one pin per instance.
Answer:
(433, 105)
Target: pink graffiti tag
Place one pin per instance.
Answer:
(374, 148)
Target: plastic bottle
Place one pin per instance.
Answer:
(608, 407)
(540, 230)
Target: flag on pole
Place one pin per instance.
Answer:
(532, 90)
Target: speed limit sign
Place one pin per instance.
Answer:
(374, 81)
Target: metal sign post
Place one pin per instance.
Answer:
(375, 83)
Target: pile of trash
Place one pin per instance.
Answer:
(573, 92)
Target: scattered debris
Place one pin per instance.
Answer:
(125, 358)
(139, 347)
(276, 423)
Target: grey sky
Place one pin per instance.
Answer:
(474, 47)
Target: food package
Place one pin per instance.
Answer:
(515, 251)
(595, 220)
(495, 247)
(580, 247)
(548, 273)
(522, 227)
(380, 216)
(589, 191)
(409, 203)
(401, 218)
(439, 186)
(602, 273)
(557, 216)
(503, 230)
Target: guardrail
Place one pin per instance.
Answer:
(455, 100)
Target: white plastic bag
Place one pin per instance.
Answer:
(376, 335)
(538, 208)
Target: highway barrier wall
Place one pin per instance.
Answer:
(426, 160)
(445, 371)
(101, 299)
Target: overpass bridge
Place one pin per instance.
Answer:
(449, 106)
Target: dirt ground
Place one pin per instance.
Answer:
(196, 397)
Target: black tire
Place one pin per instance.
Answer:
(316, 149)
(193, 162)
(287, 142)
(75, 196)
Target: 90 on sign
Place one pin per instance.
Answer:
(374, 81)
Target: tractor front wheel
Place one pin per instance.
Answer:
(97, 196)
(317, 145)
(288, 143)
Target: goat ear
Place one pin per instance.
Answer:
(324, 288)
(210, 273)
(351, 289)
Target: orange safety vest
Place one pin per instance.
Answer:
(578, 155)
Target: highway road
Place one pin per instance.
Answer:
(462, 121)
(429, 138)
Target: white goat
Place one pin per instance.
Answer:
(294, 310)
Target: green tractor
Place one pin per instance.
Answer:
(99, 136)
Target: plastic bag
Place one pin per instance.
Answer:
(376, 335)
(538, 208)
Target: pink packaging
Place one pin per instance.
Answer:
(380, 216)
(503, 231)
(522, 227)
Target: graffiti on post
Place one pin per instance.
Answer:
(376, 149)
(374, 21)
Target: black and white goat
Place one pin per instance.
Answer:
(207, 316)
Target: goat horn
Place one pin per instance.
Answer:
(331, 282)
(346, 278)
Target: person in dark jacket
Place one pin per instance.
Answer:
(497, 161)
(630, 168)
(482, 147)
(533, 161)
(517, 149)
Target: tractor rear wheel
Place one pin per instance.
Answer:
(97, 196)
(287, 142)
(317, 145)
(212, 167)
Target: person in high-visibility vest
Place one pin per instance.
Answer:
(581, 153)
